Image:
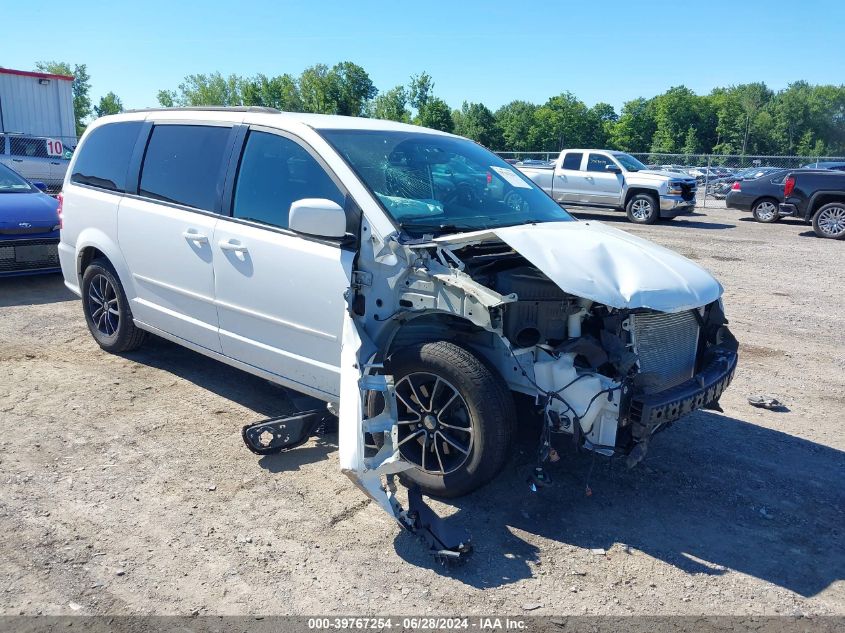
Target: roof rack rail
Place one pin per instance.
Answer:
(213, 108)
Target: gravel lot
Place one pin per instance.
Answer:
(125, 487)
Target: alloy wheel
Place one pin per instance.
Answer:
(103, 305)
(641, 209)
(831, 221)
(435, 429)
(766, 210)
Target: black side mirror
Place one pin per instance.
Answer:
(613, 169)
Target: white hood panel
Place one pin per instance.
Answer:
(609, 266)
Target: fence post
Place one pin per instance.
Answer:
(707, 179)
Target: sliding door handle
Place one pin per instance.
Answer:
(192, 235)
(232, 245)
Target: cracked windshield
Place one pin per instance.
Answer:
(431, 184)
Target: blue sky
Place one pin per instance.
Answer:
(493, 51)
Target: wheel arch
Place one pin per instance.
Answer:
(633, 191)
(93, 243)
(760, 199)
(430, 326)
(821, 198)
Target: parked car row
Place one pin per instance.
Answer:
(719, 179)
(816, 196)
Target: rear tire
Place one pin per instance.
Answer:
(479, 418)
(106, 309)
(829, 221)
(766, 211)
(643, 208)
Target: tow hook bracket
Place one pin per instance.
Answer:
(448, 543)
(283, 433)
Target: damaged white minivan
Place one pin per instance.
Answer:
(410, 278)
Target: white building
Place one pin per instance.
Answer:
(39, 104)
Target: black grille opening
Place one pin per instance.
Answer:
(22, 255)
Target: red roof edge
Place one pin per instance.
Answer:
(29, 73)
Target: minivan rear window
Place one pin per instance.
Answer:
(103, 159)
(182, 165)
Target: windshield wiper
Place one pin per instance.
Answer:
(445, 227)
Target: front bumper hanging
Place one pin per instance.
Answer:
(652, 412)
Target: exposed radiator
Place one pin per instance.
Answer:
(666, 345)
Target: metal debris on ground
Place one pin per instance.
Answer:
(766, 402)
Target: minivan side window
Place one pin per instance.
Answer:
(275, 172)
(182, 165)
(103, 159)
(572, 161)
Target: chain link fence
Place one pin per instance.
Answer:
(38, 158)
(714, 173)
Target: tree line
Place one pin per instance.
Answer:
(802, 119)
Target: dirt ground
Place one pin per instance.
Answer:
(125, 486)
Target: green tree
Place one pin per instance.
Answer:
(279, 92)
(676, 111)
(809, 145)
(420, 89)
(729, 113)
(315, 90)
(204, 90)
(564, 121)
(166, 98)
(476, 121)
(391, 105)
(634, 130)
(752, 97)
(109, 104)
(516, 124)
(436, 115)
(606, 119)
(350, 88)
(691, 145)
(81, 88)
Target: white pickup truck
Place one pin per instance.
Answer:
(615, 180)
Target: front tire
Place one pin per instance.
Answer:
(766, 211)
(643, 208)
(107, 311)
(829, 221)
(455, 417)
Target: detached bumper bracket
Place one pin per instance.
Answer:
(284, 433)
(448, 543)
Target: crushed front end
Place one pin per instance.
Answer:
(613, 377)
(611, 337)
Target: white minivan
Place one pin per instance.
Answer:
(410, 278)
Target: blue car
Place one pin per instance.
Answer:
(29, 227)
